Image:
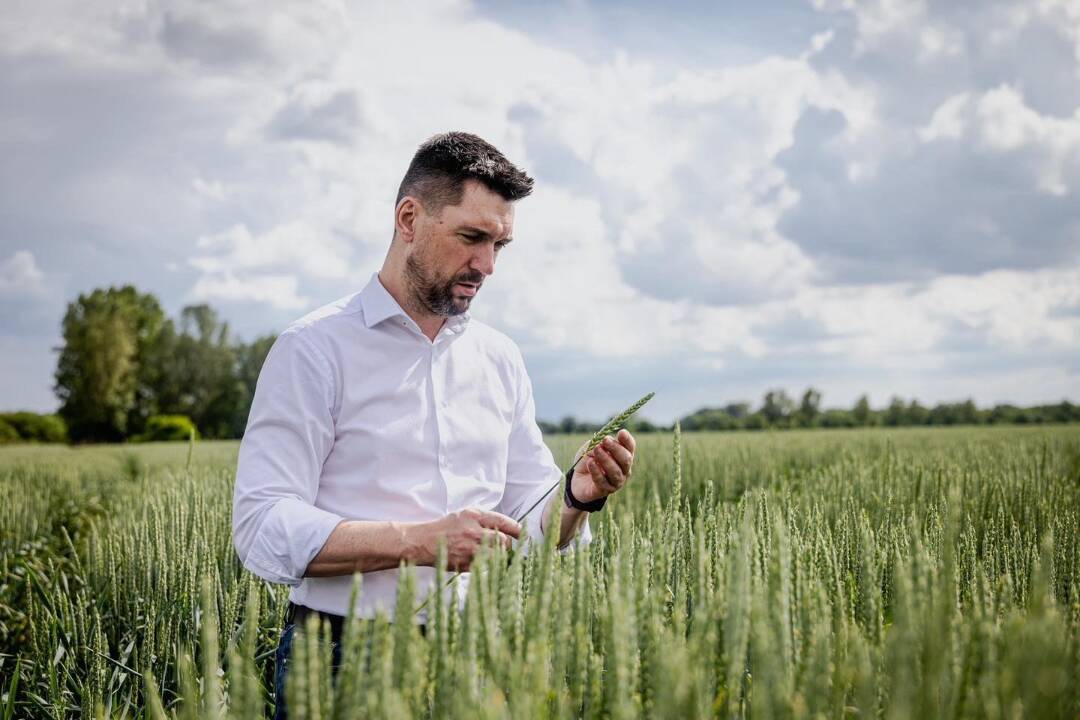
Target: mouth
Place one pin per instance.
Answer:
(467, 289)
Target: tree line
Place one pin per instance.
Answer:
(780, 411)
(126, 371)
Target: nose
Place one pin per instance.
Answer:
(483, 258)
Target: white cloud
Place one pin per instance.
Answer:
(299, 245)
(31, 300)
(581, 302)
(19, 274)
(1064, 15)
(276, 291)
(209, 189)
(1002, 122)
(947, 121)
(877, 20)
(937, 44)
(820, 41)
(903, 323)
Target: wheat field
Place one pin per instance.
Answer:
(870, 573)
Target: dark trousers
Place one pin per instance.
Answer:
(296, 617)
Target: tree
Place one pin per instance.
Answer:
(917, 414)
(810, 407)
(861, 412)
(896, 413)
(738, 410)
(836, 418)
(198, 375)
(708, 419)
(756, 421)
(101, 382)
(777, 407)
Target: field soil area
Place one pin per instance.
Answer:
(893, 573)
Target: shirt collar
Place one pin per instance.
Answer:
(379, 305)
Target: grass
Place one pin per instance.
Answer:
(869, 573)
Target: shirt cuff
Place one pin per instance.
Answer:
(291, 533)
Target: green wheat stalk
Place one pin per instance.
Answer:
(190, 449)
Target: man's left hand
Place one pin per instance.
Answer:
(605, 469)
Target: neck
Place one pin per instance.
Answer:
(393, 279)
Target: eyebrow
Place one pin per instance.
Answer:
(483, 233)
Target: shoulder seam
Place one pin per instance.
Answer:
(328, 368)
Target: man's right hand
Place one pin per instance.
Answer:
(370, 545)
(466, 531)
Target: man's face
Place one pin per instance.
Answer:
(454, 250)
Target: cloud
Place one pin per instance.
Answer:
(232, 39)
(1007, 124)
(28, 331)
(333, 117)
(882, 194)
(878, 21)
(1000, 121)
(276, 291)
(947, 122)
(895, 324)
(209, 189)
(298, 245)
(19, 274)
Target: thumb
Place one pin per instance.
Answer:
(497, 521)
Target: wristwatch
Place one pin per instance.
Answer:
(571, 501)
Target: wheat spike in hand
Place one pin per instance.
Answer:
(598, 437)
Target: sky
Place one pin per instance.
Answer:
(878, 197)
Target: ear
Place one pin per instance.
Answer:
(406, 216)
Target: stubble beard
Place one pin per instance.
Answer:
(431, 295)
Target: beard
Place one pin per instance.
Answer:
(433, 295)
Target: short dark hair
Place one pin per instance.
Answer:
(440, 167)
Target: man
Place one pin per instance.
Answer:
(389, 420)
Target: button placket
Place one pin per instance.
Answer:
(437, 395)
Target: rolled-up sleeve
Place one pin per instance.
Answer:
(531, 470)
(277, 529)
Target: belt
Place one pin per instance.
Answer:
(298, 615)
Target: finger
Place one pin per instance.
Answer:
(622, 455)
(494, 537)
(612, 470)
(500, 522)
(597, 474)
(626, 439)
(600, 479)
(620, 476)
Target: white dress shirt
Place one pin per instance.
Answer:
(357, 415)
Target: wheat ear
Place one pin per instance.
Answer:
(598, 437)
(612, 425)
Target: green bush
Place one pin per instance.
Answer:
(36, 427)
(8, 434)
(167, 427)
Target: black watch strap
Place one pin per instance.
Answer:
(568, 497)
